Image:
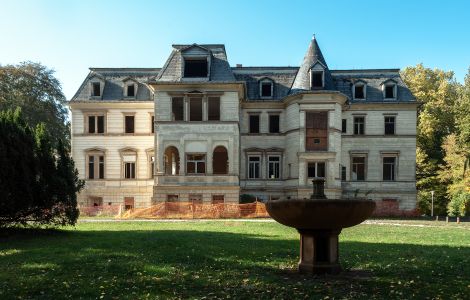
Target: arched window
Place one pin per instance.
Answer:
(220, 161)
(171, 161)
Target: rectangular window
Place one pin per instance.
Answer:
(129, 170)
(389, 125)
(389, 166)
(213, 109)
(316, 131)
(358, 168)
(195, 109)
(152, 125)
(254, 167)
(96, 124)
(317, 79)
(152, 166)
(274, 123)
(177, 108)
(101, 167)
(91, 167)
(274, 167)
(343, 173)
(316, 169)
(172, 198)
(359, 124)
(254, 123)
(389, 91)
(128, 203)
(195, 164)
(129, 120)
(130, 90)
(266, 89)
(195, 68)
(344, 124)
(96, 89)
(218, 199)
(195, 198)
(359, 91)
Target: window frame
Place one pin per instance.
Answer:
(317, 71)
(192, 100)
(87, 116)
(209, 100)
(196, 163)
(266, 81)
(173, 100)
(394, 166)
(268, 165)
(278, 115)
(95, 84)
(259, 163)
(394, 125)
(364, 90)
(316, 162)
(126, 115)
(196, 58)
(344, 125)
(96, 154)
(358, 132)
(258, 115)
(394, 90)
(129, 152)
(352, 168)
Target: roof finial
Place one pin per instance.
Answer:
(313, 37)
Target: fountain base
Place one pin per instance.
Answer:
(319, 253)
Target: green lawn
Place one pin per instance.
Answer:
(140, 260)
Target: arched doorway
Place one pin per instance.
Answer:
(172, 161)
(220, 161)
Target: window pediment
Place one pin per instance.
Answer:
(130, 87)
(96, 86)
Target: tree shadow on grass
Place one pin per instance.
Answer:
(183, 264)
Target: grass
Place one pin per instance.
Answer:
(243, 260)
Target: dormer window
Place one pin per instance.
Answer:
(317, 79)
(196, 67)
(266, 88)
(359, 91)
(130, 90)
(96, 89)
(389, 89)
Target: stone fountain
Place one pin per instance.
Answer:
(319, 221)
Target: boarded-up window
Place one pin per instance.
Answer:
(129, 120)
(177, 109)
(218, 199)
(274, 123)
(316, 131)
(128, 203)
(195, 109)
(195, 68)
(254, 123)
(214, 109)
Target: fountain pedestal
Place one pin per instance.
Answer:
(319, 253)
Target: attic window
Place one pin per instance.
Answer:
(389, 91)
(359, 91)
(96, 89)
(266, 89)
(195, 67)
(130, 90)
(317, 79)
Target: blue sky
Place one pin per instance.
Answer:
(70, 36)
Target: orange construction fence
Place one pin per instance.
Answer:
(190, 210)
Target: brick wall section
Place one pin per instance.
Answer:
(390, 208)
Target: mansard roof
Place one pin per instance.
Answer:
(220, 70)
(113, 79)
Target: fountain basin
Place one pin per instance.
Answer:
(319, 222)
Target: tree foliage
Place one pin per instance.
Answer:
(443, 136)
(33, 88)
(38, 180)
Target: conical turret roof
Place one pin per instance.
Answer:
(311, 58)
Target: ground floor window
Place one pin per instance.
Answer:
(274, 167)
(95, 201)
(254, 167)
(128, 203)
(389, 168)
(316, 169)
(218, 199)
(358, 168)
(195, 164)
(172, 197)
(195, 198)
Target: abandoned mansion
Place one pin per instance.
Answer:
(198, 129)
